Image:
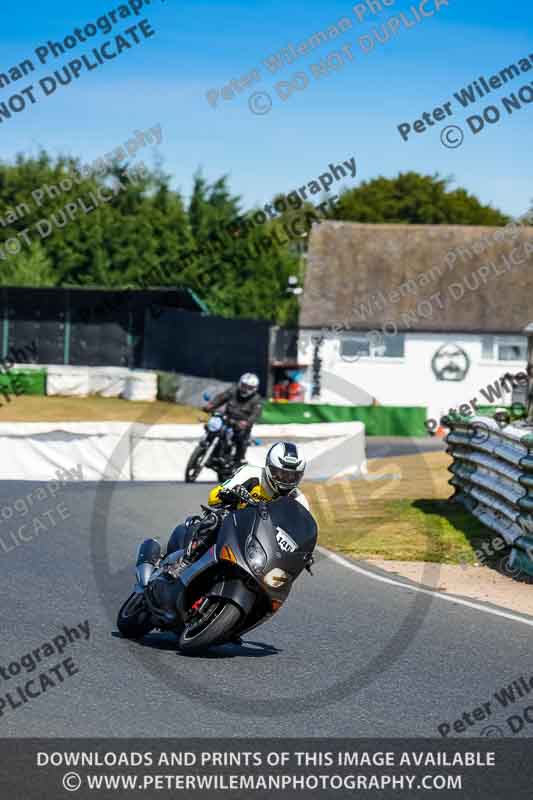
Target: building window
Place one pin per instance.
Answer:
(354, 346)
(362, 345)
(504, 348)
(394, 346)
(512, 352)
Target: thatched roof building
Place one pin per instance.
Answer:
(422, 277)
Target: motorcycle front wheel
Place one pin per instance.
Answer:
(225, 473)
(195, 464)
(134, 619)
(211, 626)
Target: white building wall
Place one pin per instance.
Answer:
(407, 381)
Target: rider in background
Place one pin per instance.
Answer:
(243, 409)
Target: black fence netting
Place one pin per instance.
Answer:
(207, 346)
(152, 329)
(34, 318)
(88, 327)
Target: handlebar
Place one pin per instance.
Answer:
(240, 494)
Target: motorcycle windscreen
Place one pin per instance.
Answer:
(288, 511)
(288, 536)
(235, 529)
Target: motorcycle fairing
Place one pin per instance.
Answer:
(236, 592)
(285, 515)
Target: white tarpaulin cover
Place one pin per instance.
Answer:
(72, 381)
(35, 450)
(67, 381)
(140, 385)
(108, 381)
(160, 452)
(124, 451)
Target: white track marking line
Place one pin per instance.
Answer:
(449, 598)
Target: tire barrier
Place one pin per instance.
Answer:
(492, 476)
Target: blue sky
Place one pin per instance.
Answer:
(354, 111)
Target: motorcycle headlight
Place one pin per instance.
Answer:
(276, 578)
(214, 424)
(255, 555)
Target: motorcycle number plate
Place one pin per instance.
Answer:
(286, 544)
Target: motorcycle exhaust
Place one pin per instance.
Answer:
(148, 557)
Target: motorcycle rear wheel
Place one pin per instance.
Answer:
(134, 619)
(198, 636)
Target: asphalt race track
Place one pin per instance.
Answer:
(390, 446)
(348, 656)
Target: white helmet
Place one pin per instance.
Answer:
(248, 384)
(284, 467)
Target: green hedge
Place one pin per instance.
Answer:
(378, 420)
(24, 381)
(167, 386)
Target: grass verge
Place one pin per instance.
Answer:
(400, 513)
(30, 408)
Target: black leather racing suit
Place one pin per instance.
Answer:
(242, 412)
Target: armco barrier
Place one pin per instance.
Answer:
(492, 474)
(120, 451)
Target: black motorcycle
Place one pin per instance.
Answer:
(216, 451)
(239, 583)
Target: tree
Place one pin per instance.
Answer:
(527, 218)
(30, 267)
(117, 231)
(241, 270)
(415, 199)
(105, 230)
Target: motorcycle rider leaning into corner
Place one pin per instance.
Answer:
(243, 409)
(284, 469)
